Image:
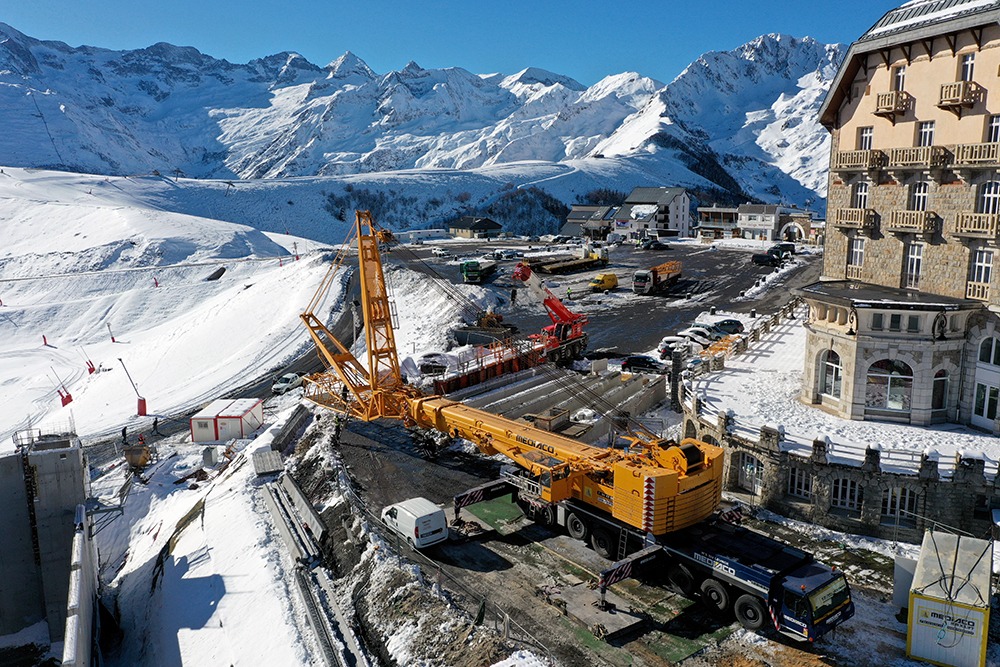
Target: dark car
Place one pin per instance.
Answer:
(766, 259)
(730, 326)
(640, 363)
(782, 249)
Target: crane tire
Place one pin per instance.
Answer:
(602, 542)
(576, 527)
(750, 612)
(715, 595)
(548, 515)
(680, 578)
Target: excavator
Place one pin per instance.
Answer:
(564, 339)
(652, 485)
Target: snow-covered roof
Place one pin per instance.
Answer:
(923, 13)
(865, 295)
(660, 196)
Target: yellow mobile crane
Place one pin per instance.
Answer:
(652, 485)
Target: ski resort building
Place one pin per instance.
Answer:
(470, 227)
(654, 213)
(905, 326)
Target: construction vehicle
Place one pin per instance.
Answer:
(564, 339)
(656, 279)
(476, 271)
(621, 498)
(586, 257)
(652, 485)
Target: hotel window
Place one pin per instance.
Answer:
(918, 196)
(899, 503)
(939, 390)
(800, 483)
(847, 494)
(968, 66)
(889, 385)
(989, 351)
(896, 322)
(856, 252)
(859, 198)
(993, 129)
(833, 374)
(914, 259)
(925, 133)
(982, 266)
(988, 199)
(899, 78)
(878, 322)
(865, 138)
(913, 324)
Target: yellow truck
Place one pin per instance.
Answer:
(603, 282)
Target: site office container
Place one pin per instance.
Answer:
(225, 419)
(949, 606)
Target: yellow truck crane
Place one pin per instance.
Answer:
(653, 485)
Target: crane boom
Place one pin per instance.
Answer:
(655, 485)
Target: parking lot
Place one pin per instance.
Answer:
(622, 322)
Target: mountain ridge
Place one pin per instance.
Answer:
(739, 124)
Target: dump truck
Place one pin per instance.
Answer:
(657, 279)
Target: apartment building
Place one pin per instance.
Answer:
(904, 326)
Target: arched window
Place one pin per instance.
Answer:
(889, 385)
(832, 374)
(989, 351)
(751, 472)
(939, 390)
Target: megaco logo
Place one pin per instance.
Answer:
(937, 619)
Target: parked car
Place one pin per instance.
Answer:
(669, 343)
(765, 259)
(698, 336)
(655, 245)
(417, 520)
(782, 249)
(440, 252)
(709, 330)
(640, 363)
(286, 382)
(730, 326)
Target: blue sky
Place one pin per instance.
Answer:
(585, 39)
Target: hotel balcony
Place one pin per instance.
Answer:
(912, 222)
(861, 219)
(957, 96)
(977, 225)
(858, 160)
(977, 155)
(918, 157)
(891, 104)
(978, 291)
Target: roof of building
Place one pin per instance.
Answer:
(227, 407)
(924, 13)
(659, 196)
(864, 295)
(760, 209)
(911, 22)
(474, 223)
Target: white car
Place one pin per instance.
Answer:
(286, 382)
(440, 252)
(696, 335)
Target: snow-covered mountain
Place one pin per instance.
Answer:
(734, 124)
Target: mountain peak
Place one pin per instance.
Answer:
(535, 75)
(349, 66)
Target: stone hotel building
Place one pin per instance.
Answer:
(904, 325)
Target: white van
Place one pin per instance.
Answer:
(418, 520)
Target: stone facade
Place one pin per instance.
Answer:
(865, 499)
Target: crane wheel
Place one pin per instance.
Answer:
(750, 612)
(602, 542)
(715, 595)
(548, 515)
(576, 527)
(680, 578)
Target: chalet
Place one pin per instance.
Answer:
(471, 227)
(594, 222)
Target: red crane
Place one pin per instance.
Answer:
(564, 338)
